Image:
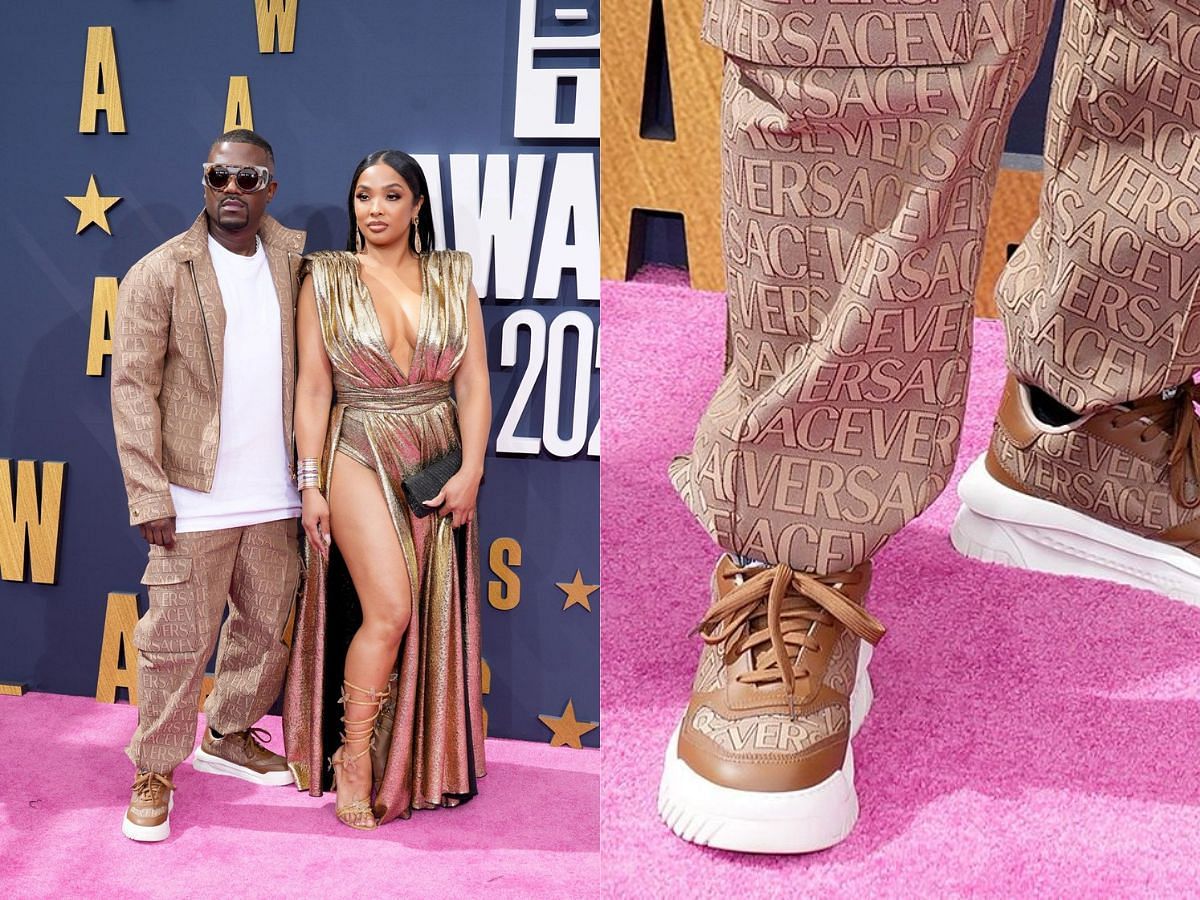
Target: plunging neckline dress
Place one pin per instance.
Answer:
(428, 748)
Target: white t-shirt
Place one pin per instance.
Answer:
(252, 483)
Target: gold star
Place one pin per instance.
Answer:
(577, 592)
(92, 207)
(567, 729)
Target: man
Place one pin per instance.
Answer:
(202, 385)
(860, 149)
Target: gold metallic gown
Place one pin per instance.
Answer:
(429, 740)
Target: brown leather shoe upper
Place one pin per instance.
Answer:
(1133, 466)
(770, 703)
(242, 748)
(149, 804)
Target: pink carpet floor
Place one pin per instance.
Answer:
(1031, 736)
(64, 782)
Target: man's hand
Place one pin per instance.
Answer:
(160, 531)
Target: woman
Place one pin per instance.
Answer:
(390, 613)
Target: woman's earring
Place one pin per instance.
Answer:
(416, 238)
(359, 241)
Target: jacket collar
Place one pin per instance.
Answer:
(193, 243)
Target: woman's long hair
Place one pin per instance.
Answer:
(406, 167)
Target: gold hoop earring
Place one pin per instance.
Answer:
(416, 238)
(359, 240)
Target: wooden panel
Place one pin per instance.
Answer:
(100, 69)
(486, 688)
(206, 687)
(238, 113)
(290, 628)
(1014, 209)
(503, 557)
(683, 175)
(104, 312)
(36, 521)
(275, 15)
(119, 621)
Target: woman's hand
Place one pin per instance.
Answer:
(316, 521)
(457, 498)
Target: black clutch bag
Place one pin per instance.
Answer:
(427, 483)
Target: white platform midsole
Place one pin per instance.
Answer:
(149, 833)
(863, 694)
(214, 765)
(1001, 525)
(801, 821)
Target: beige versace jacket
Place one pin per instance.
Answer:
(168, 341)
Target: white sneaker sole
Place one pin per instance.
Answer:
(996, 524)
(214, 765)
(149, 834)
(863, 694)
(803, 821)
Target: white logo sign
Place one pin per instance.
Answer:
(540, 83)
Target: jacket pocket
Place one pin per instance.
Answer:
(172, 625)
(167, 570)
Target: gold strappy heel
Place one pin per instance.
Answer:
(353, 812)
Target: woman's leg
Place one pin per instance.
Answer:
(362, 527)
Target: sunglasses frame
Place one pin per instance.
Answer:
(264, 176)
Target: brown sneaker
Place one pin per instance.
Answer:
(1110, 495)
(761, 762)
(148, 818)
(240, 755)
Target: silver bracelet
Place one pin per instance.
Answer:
(308, 474)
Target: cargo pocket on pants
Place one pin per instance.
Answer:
(170, 625)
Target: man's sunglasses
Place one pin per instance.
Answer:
(247, 178)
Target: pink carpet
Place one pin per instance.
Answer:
(1031, 736)
(64, 783)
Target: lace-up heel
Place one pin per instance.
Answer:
(356, 813)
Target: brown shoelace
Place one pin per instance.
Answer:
(1175, 413)
(147, 784)
(252, 740)
(820, 600)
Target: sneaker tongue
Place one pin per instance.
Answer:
(756, 624)
(761, 656)
(1158, 411)
(1155, 400)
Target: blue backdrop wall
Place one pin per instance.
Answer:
(435, 79)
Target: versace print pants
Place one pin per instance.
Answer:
(1099, 302)
(256, 570)
(855, 195)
